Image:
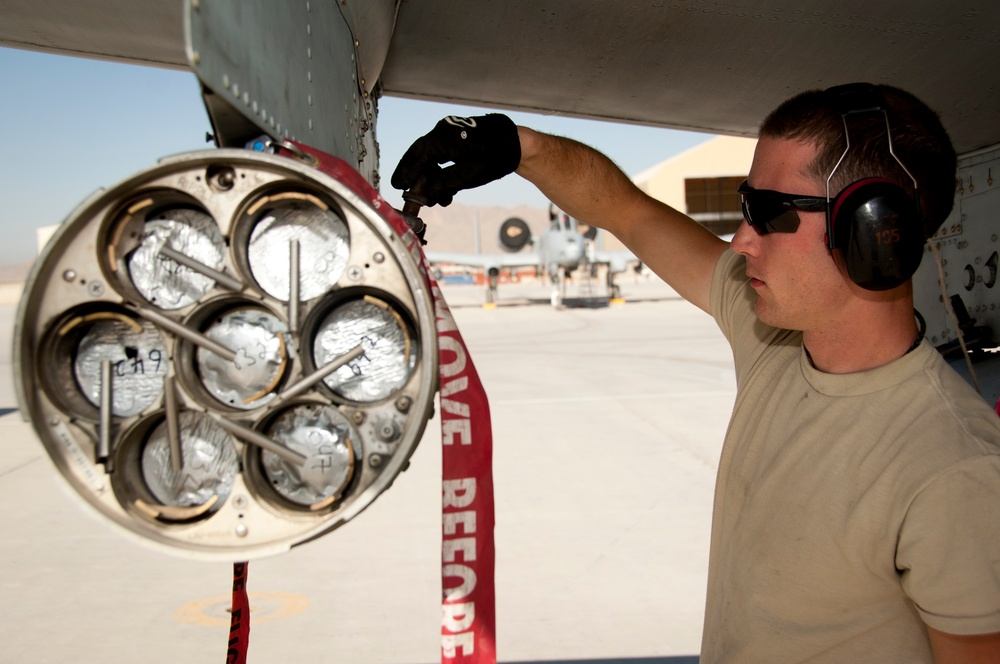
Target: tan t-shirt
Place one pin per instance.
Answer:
(849, 509)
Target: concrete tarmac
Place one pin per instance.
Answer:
(608, 421)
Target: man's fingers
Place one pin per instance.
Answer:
(456, 177)
(413, 164)
(477, 150)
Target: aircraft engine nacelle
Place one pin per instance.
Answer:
(514, 235)
(230, 353)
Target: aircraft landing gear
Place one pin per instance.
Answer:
(558, 287)
(613, 289)
(493, 278)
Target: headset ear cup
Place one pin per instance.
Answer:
(878, 229)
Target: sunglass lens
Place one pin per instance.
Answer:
(767, 215)
(786, 222)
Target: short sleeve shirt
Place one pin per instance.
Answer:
(849, 509)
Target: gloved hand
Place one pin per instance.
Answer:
(481, 148)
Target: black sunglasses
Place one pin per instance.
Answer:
(773, 211)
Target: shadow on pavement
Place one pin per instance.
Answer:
(567, 303)
(667, 659)
(673, 659)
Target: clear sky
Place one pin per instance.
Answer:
(71, 126)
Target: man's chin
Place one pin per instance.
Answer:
(767, 314)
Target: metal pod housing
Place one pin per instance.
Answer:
(228, 354)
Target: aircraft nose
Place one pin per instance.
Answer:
(573, 251)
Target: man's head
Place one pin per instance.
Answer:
(801, 143)
(919, 141)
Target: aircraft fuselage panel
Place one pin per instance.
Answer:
(296, 71)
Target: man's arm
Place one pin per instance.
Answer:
(964, 649)
(591, 188)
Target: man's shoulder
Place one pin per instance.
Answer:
(729, 298)
(942, 399)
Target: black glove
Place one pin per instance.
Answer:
(481, 148)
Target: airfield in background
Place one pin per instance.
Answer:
(607, 426)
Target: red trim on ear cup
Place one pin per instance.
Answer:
(848, 190)
(877, 228)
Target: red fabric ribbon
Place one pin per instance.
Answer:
(239, 620)
(468, 625)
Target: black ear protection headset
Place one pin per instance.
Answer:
(875, 223)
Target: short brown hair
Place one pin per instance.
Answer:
(918, 139)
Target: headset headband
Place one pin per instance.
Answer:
(851, 99)
(873, 222)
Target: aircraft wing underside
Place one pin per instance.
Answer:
(617, 261)
(711, 66)
(484, 262)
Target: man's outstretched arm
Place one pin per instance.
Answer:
(591, 188)
(462, 153)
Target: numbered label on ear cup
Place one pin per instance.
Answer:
(878, 231)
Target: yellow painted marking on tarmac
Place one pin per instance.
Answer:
(617, 300)
(214, 611)
(489, 305)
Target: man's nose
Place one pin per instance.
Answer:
(745, 240)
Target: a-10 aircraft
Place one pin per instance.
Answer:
(561, 250)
